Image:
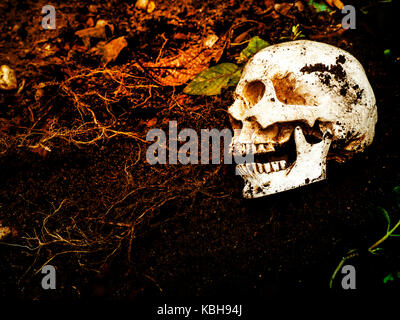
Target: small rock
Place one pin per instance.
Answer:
(142, 4)
(8, 79)
(101, 23)
(151, 6)
(92, 8)
(111, 50)
(16, 27)
(4, 232)
(39, 91)
(210, 40)
(90, 22)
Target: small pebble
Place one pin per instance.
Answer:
(4, 232)
(142, 4)
(8, 79)
(151, 6)
(90, 22)
(210, 40)
(92, 8)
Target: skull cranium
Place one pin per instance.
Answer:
(298, 104)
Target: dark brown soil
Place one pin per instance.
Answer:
(115, 226)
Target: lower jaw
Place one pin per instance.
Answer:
(309, 166)
(263, 184)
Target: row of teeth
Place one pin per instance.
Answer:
(262, 167)
(245, 148)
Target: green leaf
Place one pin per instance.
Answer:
(234, 80)
(210, 82)
(388, 278)
(374, 251)
(396, 190)
(386, 215)
(255, 44)
(319, 7)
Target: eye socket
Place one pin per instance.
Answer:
(236, 124)
(253, 92)
(288, 92)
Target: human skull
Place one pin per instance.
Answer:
(298, 104)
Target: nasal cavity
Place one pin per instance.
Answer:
(253, 92)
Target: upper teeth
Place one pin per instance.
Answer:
(261, 148)
(245, 148)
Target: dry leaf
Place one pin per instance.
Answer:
(335, 3)
(286, 8)
(152, 122)
(99, 32)
(180, 36)
(177, 70)
(111, 50)
(269, 4)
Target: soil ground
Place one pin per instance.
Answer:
(77, 193)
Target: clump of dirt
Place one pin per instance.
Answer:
(335, 70)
